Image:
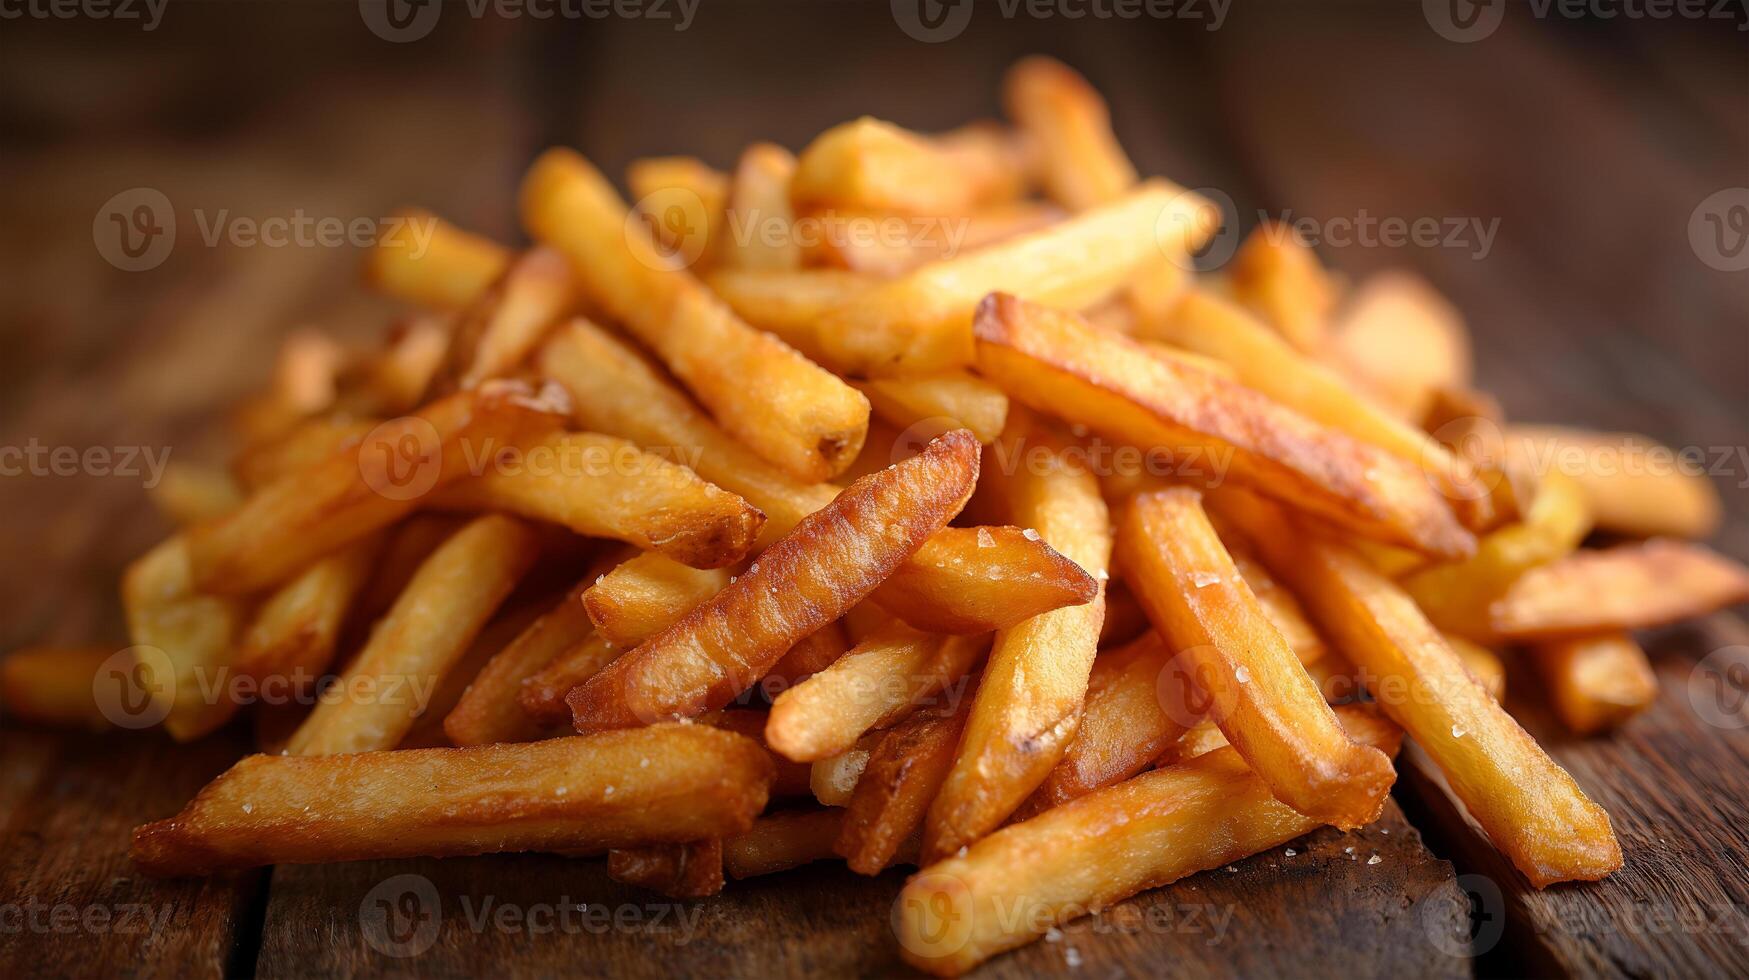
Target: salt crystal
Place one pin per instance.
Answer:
(1203, 580)
(985, 538)
(1456, 732)
(732, 579)
(1053, 935)
(1375, 859)
(560, 791)
(1242, 674)
(961, 852)
(1291, 852)
(1232, 870)
(644, 763)
(248, 808)
(600, 578)
(1349, 849)
(1029, 534)
(1072, 957)
(609, 791)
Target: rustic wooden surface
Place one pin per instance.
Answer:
(1590, 144)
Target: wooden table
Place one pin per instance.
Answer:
(1589, 144)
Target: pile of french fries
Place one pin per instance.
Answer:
(824, 560)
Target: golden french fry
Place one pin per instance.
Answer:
(681, 201)
(792, 778)
(816, 651)
(1082, 164)
(503, 326)
(1278, 276)
(789, 303)
(892, 796)
(54, 686)
(786, 408)
(305, 378)
(449, 599)
(183, 642)
(304, 445)
(805, 580)
(1054, 361)
(543, 695)
(889, 244)
(190, 495)
(583, 794)
(874, 165)
(1257, 690)
(644, 596)
(1398, 336)
(446, 693)
(1632, 485)
(294, 632)
(1029, 701)
(1011, 887)
(346, 495)
(781, 841)
(394, 379)
(977, 579)
(1280, 605)
(430, 262)
(1482, 663)
(1635, 586)
(491, 710)
(834, 779)
(949, 400)
(761, 222)
(692, 870)
(1595, 683)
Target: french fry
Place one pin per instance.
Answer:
(789, 303)
(903, 774)
(805, 580)
(543, 695)
(448, 689)
(570, 795)
(876, 683)
(491, 711)
(1595, 683)
(1635, 586)
(693, 870)
(950, 399)
(760, 220)
(184, 640)
(792, 778)
(976, 579)
(306, 514)
(1124, 619)
(405, 548)
(1029, 701)
(305, 374)
(781, 841)
(816, 651)
(1278, 276)
(451, 268)
(1000, 162)
(681, 201)
(1398, 336)
(867, 164)
(1082, 164)
(1015, 884)
(53, 686)
(1632, 485)
(1284, 611)
(506, 322)
(304, 445)
(605, 487)
(447, 602)
(1053, 361)
(1258, 692)
(645, 595)
(786, 408)
(834, 779)
(1530, 808)
(1482, 663)
(395, 378)
(921, 321)
(294, 632)
(190, 495)
(887, 244)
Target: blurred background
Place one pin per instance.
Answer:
(1587, 173)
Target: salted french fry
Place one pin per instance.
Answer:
(503, 326)
(53, 686)
(190, 494)
(448, 689)
(1029, 701)
(922, 321)
(1530, 808)
(1278, 277)
(294, 632)
(542, 697)
(584, 794)
(1632, 485)
(304, 445)
(1635, 586)
(693, 870)
(1398, 336)
(808, 578)
(432, 263)
(491, 711)
(976, 579)
(1595, 683)
(874, 165)
(760, 220)
(1053, 361)
(834, 779)
(891, 798)
(951, 399)
(681, 201)
(405, 548)
(1257, 690)
(346, 495)
(446, 604)
(605, 487)
(786, 408)
(1482, 663)
(781, 841)
(645, 595)
(183, 640)
(1456, 595)
(1011, 887)
(816, 651)
(876, 683)
(1205, 737)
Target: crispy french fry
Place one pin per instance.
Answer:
(950, 399)
(790, 304)
(1482, 663)
(305, 444)
(1258, 692)
(1635, 586)
(505, 324)
(605, 487)
(1096, 851)
(571, 795)
(1397, 335)
(921, 321)
(1632, 485)
(681, 201)
(406, 547)
(491, 711)
(1055, 362)
(645, 595)
(447, 602)
(902, 776)
(1595, 683)
(887, 244)
(786, 408)
(781, 841)
(817, 651)
(1530, 808)
(977, 579)
(1029, 701)
(760, 220)
(543, 695)
(1282, 608)
(190, 494)
(53, 686)
(430, 262)
(183, 641)
(876, 683)
(834, 779)
(874, 165)
(1002, 163)
(294, 632)
(693, 870)
(1278, 276)
(346, 495)
(1082, 164)
(446, 693)
(807, 579)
